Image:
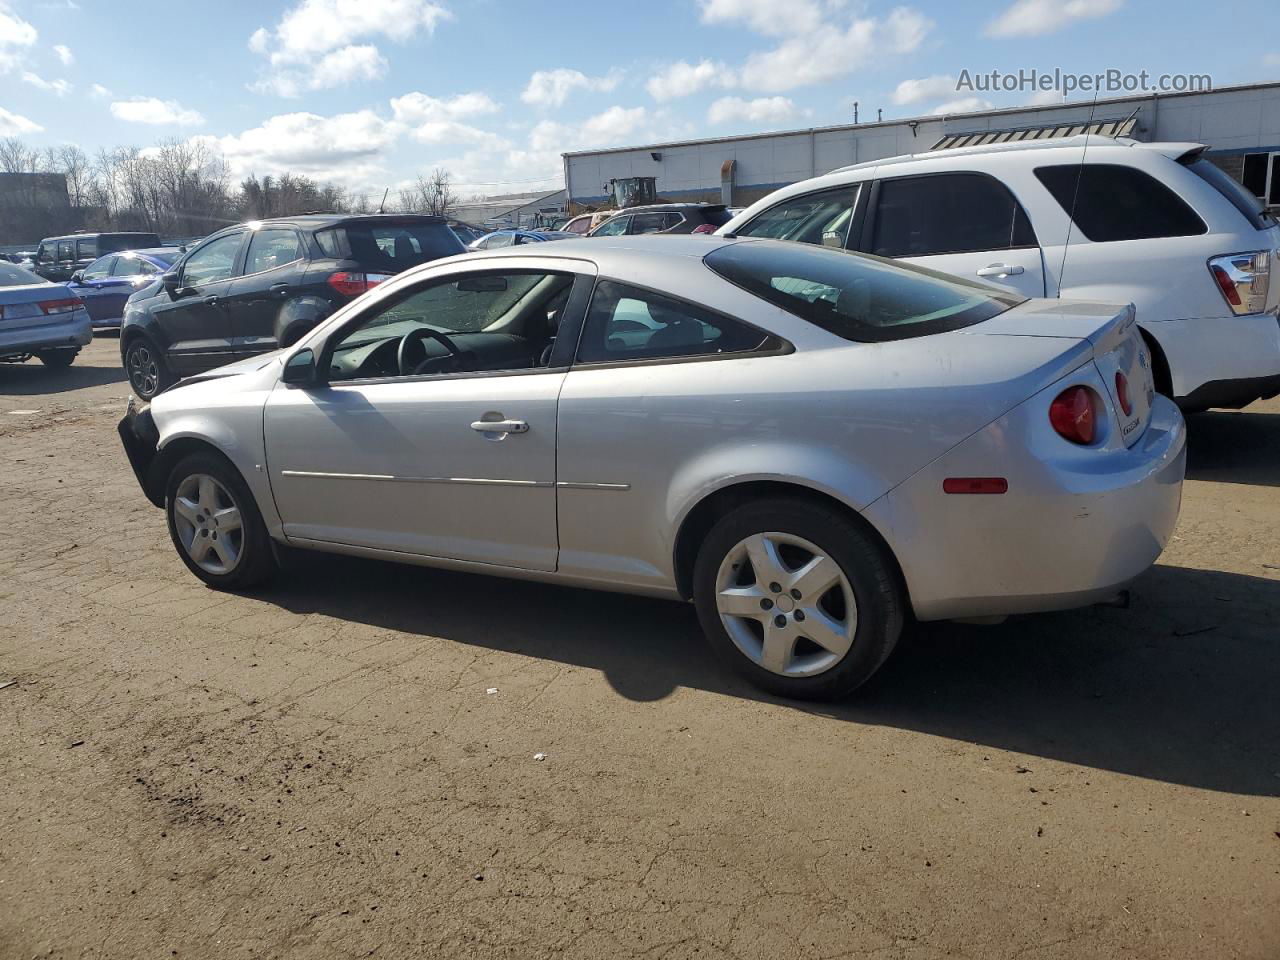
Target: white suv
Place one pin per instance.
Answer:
(1154, 224)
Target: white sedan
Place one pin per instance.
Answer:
(810, 444)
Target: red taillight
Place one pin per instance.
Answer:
(62, 306)
(1122, 393)
(352, 284)
(704, 228)
(1074, 414)
(975, 485)
(1226, 285)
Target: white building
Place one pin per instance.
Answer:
(1240, 124)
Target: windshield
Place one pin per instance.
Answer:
(15, 276)
(857, 296)
(389, 247)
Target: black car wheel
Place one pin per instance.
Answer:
(146, 368)
(57, 358)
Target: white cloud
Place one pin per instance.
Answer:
(64, 54)
(551, 88)
(766, 16)
(58, 87)
(681, 79)
(926, 88)
(540, 156)
(610, 126)
(13, 124)
(99, 92)
(313, 46)
(433, 120)
(345, 148)
(963, 105)
(759, 111)
(16, 35)
(1030, 18)
(153, 110)
(834, 51)
(1043, 98)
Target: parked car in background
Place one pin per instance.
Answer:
(665, 218)
(1155, 224)
(57, 258)
(259, 286)
(109, 281)
(511, 238)
(788, 435)
(584, 223)
(465, 232)
(39, 319)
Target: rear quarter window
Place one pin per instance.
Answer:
(389, 246)
(1110, 202)
(1249, 206)
(856, 296)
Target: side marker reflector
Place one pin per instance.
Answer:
(975, 485)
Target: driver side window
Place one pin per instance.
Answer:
(481, 322)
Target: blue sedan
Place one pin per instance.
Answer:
(109, 281)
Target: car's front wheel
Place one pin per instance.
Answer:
(797, 598)
(148, 374)
(215, 524)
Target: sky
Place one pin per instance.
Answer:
(370, 93)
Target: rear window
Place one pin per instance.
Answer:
(113, 242)
(857, 296)
(15, 276)
(1111, 202)
(389, 247)
(1236, 193)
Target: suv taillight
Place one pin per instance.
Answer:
(704, 228)
(1074, 414)
(1244, 279)
(352, 283)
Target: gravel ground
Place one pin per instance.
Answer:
(344, 764)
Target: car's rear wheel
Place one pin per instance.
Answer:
(215, 524)
(797, 598)
(57, 358)
(148, 374)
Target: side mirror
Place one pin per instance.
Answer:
(171, 282)
(300, 368)
(78, 277)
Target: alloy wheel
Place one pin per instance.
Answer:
(207, 519)
(144, 372)
(786, 604)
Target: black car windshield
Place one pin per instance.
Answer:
(15, 276)
(857, 296)
(389, 247)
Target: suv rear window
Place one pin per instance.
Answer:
(856, 296)
(1236, 193)
(1114, 202)
(389, 246)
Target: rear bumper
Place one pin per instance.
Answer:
(75, 331)
(140, 437)
(1069, 532)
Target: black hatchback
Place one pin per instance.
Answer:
(258, 286)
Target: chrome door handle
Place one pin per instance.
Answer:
(211, 301)
(500, 426)
(1000, 270)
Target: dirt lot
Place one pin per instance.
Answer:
(320, 771)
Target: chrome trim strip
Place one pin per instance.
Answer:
(578, 485)
(482, 481)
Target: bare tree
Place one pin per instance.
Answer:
(431, 194)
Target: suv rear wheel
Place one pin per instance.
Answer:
(797, 598)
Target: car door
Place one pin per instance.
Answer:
(964, 223)
(95, 288)
(129, 274)
(195, 327)
(446, 462)
(274, 265)
(66, 264)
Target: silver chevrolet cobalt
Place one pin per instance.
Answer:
(808, 443)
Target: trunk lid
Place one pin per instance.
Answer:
(20, 306)
(1119, 351)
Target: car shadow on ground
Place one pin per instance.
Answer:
(1234, 447)
(33, 378)
(1180, 688)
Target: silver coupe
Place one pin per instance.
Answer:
(809, 444)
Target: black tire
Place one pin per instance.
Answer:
(871, 575)
(145, 367)
(256, 561)
(57, 359)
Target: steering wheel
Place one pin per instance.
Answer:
(462, 360)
